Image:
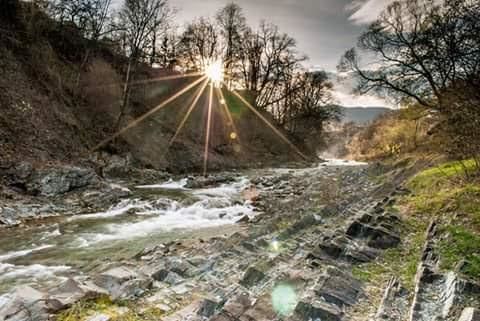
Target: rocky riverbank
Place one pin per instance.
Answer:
(294, 260)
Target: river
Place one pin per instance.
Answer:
(43, 254)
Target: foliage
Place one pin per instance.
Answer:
(392, 135)
(428, 53)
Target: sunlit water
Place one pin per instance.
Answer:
(43, 255)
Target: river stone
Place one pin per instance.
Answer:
(338, 288)
(72, 291)
(53, 182)
(252, 277)
(318, 311)
(24, 304)
(207, 308)
(8, 216)
(202, 182)
(378, 237)
(123, 283)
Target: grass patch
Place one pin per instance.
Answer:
(461, 244)
(84, 310)
(443, 193)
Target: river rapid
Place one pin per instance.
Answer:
(47, 252)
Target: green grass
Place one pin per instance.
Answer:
(461, 245)
(84, 310)
(443, 193)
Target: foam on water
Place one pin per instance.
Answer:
(35, 271)
(342, 162)
(117, 210)
(17, 254)
(216, 206)
(171, 184)
(196, 216)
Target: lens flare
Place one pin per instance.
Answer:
(207, 135)
(284, 300)
(214, 72)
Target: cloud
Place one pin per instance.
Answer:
(343, 93)
(366, 11)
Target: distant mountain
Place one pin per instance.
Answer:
(362, 115)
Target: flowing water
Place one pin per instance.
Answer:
(42, 254)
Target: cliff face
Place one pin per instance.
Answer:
(60, 95)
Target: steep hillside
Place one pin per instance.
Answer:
(55, 107)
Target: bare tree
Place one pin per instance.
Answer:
(232, 25)
(138, 20)
(199, 44)
(311, 106)
(421, 49)
(268, 59)
(429, 51)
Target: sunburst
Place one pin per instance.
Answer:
(213, 75)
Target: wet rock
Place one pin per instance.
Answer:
(244, 219)
(202, 182)
(123, 283)
(237, 305)
(395, 302)
(57, 181)
(470, 314)
(318, 310)
(252, 277)
(337, 287)
(23, 304)
(8, 216)
(378, 237)
(305, 222)
(344, 248)
(72, 291)
(207, 308)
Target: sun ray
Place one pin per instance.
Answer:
(234, 135)
(157, 79)
(275, 130)
(148, 114)
(190, 110)
(207, 135)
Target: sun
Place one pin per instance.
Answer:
(214, 72)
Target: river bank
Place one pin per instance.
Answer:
(277, 244)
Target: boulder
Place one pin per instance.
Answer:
(23, 304)
(72, 291)
(57, 181)
(123, 283)
(8, 216)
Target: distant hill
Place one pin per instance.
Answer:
(362, 115)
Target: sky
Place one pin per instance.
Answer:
(324, 29)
